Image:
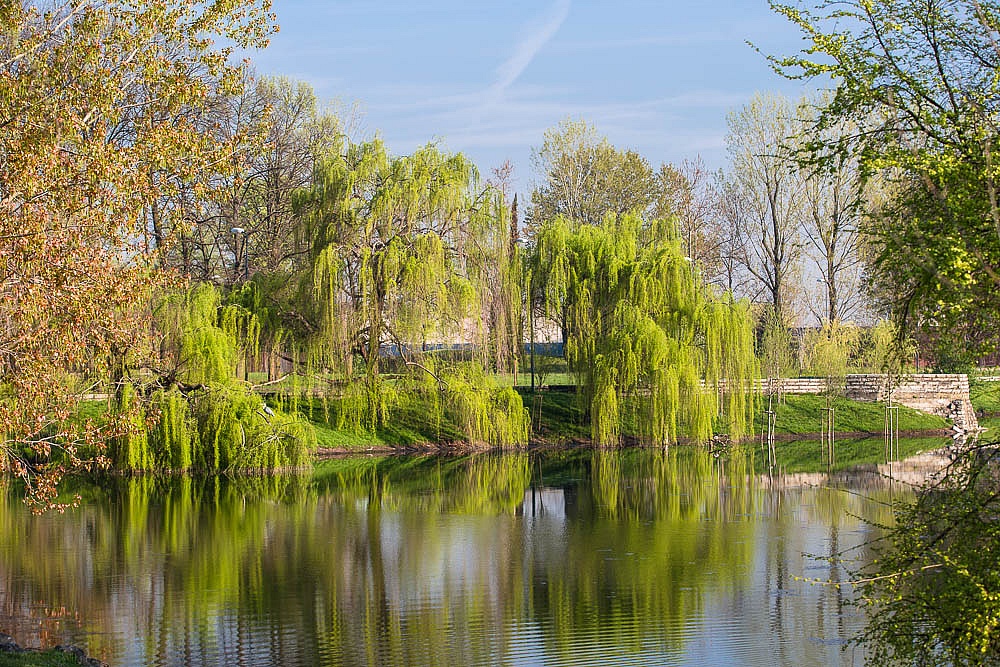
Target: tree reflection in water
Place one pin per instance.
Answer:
(622, 556)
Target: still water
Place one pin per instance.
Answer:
(629, 558)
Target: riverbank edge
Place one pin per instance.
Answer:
(58, 655)
(539, 444)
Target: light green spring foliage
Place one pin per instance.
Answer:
(202, 416)
(172, 437)
(258, 315)
(130, 451)
(837, 349)
(485, 410)
(384, 229)
(366, 404)
(930, 595)
(885, 350)
(830, 351)
(411, 253)
(236, 434)
(494, 266)
(201, 350)
(644, 335)
(777, 355)
(585, 177)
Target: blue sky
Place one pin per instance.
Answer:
(487, 78)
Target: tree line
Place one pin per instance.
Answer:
(177, 232)
(174, 225)
(755, 228)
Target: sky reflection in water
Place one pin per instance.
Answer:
(575, 557)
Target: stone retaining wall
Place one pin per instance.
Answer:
(946, 395)
(793, 385)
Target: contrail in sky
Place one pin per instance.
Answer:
(526, 50)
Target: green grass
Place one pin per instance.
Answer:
(546, 380)
(556, 417)
(985, 395)
(408, 428)
(92, 409)
(549, 372)
(802, 414)
(50, 658)
(561, 423)
(562, 420)
(991, 423)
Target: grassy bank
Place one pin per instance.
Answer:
(985, 398)
(797, 415)
(51, 658)
(410, 428)
(802, 415)
(558, 419)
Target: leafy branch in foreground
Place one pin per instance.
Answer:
(916, 103)
(933, 593)
(101, 105)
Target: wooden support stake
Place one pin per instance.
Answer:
(828, 437)
(891, 432)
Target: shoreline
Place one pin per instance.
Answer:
(459, 448)
(73, 655)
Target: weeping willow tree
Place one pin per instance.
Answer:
(648, 342)
(192, 411)
(413, 291)
(829, 353)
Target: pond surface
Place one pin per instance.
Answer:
(630, 558)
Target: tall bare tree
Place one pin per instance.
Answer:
(833, 207)
(766, 193)
(584, 177)
(684, 192)
(733, 254)
(279, 132)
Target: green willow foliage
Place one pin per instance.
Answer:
(830, 351)
(197, 414)
(646, 339)
(485, 410)
(411, 255)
